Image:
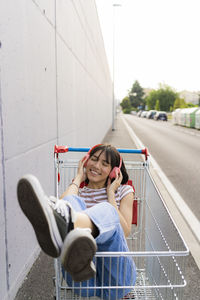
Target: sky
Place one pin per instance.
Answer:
(155, 42)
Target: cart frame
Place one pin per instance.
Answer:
(155, 243)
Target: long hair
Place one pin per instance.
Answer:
(112, 157)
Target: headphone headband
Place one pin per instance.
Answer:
(120, 163)
(95, 146)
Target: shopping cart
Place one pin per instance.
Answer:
(155, 243)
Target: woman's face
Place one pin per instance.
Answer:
(98, 169)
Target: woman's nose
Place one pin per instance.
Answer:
(97, 164)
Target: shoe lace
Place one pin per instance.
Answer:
(61, 206)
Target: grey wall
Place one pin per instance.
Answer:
(55, 88)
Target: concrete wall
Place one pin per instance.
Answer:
(55, 88)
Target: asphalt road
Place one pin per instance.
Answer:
(177, 151)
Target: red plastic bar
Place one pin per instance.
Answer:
(60, 149)
(145, 152)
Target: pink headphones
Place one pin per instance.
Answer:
(113, 172)
(116, 170)
(88, 154)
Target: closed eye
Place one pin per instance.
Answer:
(105, 163)
(94, 158)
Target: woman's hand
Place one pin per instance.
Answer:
(81, 174)
(112, 187)
(73, 189)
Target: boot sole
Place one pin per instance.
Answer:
(77, 254)
(35, 207)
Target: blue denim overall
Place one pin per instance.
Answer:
(110, 239)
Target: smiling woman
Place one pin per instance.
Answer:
(95, 217)
(104, 176)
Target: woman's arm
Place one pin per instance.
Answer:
(73, 188)
(125, 211)
(126, 204)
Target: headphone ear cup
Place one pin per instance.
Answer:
(112, 174)
(86, 157)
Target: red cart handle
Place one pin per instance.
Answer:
(60, 149)
(145, 152)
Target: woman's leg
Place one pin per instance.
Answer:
(53, 222)
(82, 221)
(115, 271)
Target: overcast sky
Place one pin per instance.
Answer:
(156, 41)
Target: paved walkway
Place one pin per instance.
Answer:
(39, 284)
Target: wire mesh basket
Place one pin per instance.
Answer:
(155, 245)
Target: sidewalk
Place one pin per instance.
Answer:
(39, 283)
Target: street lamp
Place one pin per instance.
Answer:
(113, 85)
(133, 94)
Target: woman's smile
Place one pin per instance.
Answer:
(94, 172)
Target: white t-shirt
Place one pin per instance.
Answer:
(94, 196)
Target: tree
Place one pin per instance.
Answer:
(126, 105)
(157, 106)
(166, 98)
(189, 104)
(136, 96)
(179, 103)
(151, 100)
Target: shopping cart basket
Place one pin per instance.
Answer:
(155, 243)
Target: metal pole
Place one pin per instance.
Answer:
(113, 85)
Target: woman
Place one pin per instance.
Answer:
(95, 217)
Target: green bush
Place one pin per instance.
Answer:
(126, 105)
(127, 110)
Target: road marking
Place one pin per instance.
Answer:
(184, 209)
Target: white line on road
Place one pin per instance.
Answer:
(184, 209)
